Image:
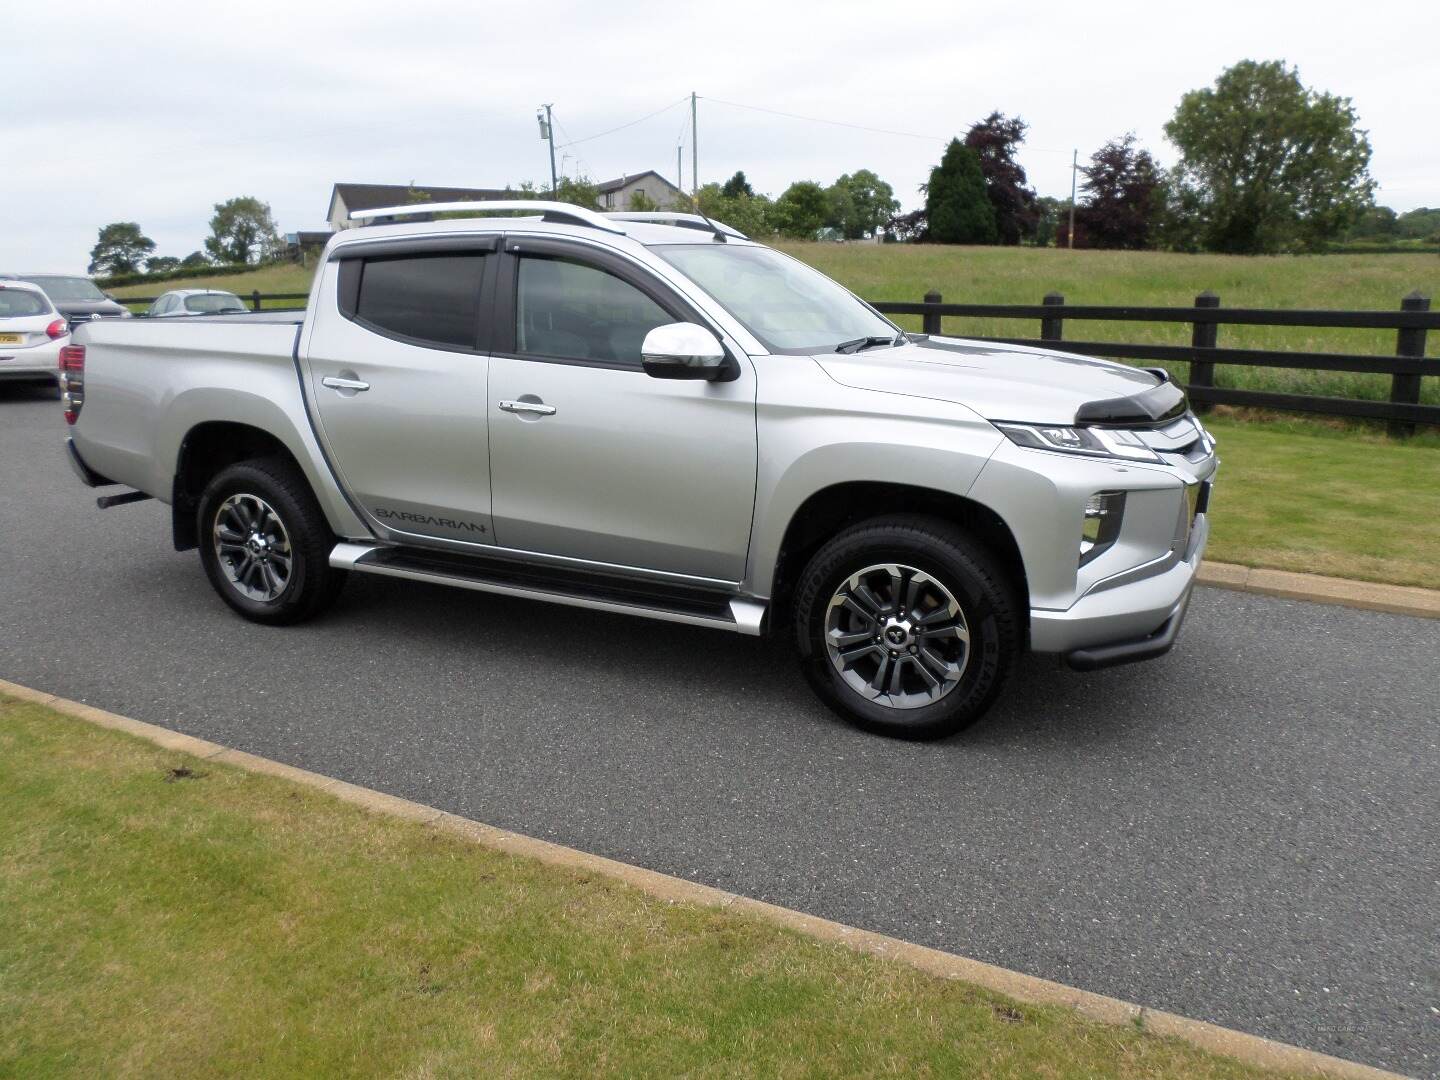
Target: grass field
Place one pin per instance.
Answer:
(210, 923)
(1024, 275)
(1298, 496)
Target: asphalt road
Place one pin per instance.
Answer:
(1246, 831)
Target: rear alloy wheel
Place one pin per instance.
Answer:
(906, 626)
(252, 547)
(265, 544)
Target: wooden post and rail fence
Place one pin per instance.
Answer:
(1406, 368)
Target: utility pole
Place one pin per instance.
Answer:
(1074, 171)
(694, 150)
(547, 132)
(679, 169)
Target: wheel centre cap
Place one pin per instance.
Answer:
(898, 633)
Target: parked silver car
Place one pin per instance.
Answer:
(652, 415)
(32, 333)
(195, 302)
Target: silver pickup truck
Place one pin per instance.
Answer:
(652, 415)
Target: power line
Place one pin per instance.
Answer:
(819, 120)
(857, 127)
(622, 127)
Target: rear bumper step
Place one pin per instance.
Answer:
(625, 596)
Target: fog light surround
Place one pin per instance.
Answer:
(1100, 527)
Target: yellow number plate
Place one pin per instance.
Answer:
(10, 339)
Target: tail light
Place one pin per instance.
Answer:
(57, 329)
(72, 380)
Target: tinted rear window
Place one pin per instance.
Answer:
(15, 303)
(211, 302)
(429, 298)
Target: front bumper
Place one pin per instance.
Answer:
(1138, 620)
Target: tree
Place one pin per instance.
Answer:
(801, 211)
(1375, 223)
(242, 231)
(860, 204)
(737, 186)
(956, 207)
(909, 228)
(1268, 164)
(161, 264)
(642, 203)
(1053, 217)
(578, 191)
(753, 215)
(195, 258)
(120, 249)
(995, 140)
(1122, 197)
(1422, 223)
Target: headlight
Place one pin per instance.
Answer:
(1088, 441)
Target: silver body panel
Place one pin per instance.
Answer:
(578, 465)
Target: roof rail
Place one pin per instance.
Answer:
(680, 221)
(549, 211)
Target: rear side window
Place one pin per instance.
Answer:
(429, 299)
(15, 303)
(571, 310)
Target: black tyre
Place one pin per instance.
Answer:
(265, 544)
(906, 626)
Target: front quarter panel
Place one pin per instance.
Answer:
(815, 433)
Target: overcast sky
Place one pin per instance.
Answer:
(154, 113)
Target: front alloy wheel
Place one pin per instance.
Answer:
(897, 636)
(907, 626)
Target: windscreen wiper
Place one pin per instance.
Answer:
(871, 342)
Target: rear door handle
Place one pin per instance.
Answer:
(539, 408)
(335, 382)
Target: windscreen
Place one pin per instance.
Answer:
(67, 288)
(787, 305)
(19, 303)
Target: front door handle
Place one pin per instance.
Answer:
(335, 382)
(539, 408)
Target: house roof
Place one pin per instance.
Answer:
(624, 181)
(371, 196)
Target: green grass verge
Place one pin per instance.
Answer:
(229, 924)
(1294, 495)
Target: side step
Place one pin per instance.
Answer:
(626, 596)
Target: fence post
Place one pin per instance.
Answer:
(930, 321)
(1052, 327)
(255, 300)
(1409, 342)
(1203, 335)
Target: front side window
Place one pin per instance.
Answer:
(788, 306)
(432, 299)
(574, 311)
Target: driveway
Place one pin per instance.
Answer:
(1244, 831)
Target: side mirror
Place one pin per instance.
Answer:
(686, 351)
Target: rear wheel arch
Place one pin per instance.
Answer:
(206, 449)
(831, 510)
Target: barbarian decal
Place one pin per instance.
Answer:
(426, 519)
